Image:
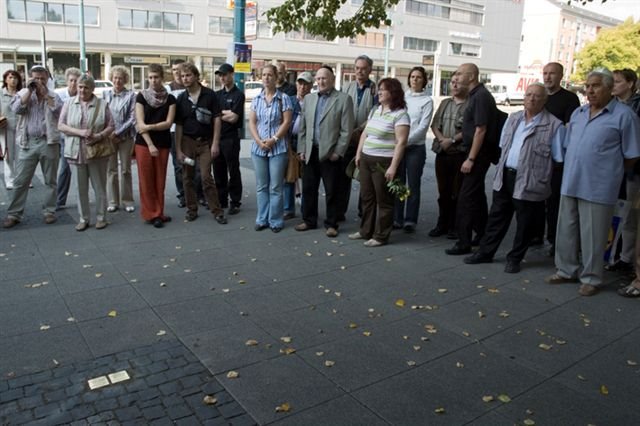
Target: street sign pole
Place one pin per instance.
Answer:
(238, 34)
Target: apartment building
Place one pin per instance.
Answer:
(441, 34)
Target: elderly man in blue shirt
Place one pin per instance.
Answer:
(530, 140)
(603, 138)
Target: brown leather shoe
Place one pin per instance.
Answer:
(304, 226)
(50, 218)
(331, 232)
(82, 226)
(101, 224)
(10, 222)
(588, 290)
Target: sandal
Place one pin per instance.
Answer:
(629, 291)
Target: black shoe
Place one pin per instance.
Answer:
(512, 267)
(260, 227)
(158, 223)
(234, 210)
(457, 250)
(437, 232)
(276, 229)
(478, 257)
(181, 203)
(619, 266)
(221, 219)
(536, 241)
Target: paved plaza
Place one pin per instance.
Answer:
(201, 323)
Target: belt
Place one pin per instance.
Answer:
(510, 170)
(198, 139)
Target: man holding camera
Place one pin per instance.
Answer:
(38, 139)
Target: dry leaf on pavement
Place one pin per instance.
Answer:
(233, 375)
(439, 410)
(544, 346)
(604, 390)
(400, 303)
(504, 398)
(209, 400)
(251, 342)
(286, 339)
(112, 314)
(328, 363)
(487, 398)
(285, 407)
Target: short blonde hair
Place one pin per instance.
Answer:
(119, 69)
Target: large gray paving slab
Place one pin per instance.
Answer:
(287, 379)
(226, 348)
(22, 290)
(126, 330)
(552, 403)
(94, 304)
(571, 336)
(342, 411)
(31, 352)
(198, 315)
(23, 266)
(32, 315)
(264, 299)
(175, 288)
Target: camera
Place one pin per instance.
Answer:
(33, 85)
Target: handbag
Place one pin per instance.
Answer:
(352, 170)
(103, 148)
(294, 170)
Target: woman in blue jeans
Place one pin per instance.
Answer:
(269, 122)
(420, 109)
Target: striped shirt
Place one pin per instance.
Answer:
(123, 111)
(269, 118)
(381, 135)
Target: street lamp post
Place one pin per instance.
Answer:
(83, 55)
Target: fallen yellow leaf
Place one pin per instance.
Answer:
(209, 400)
(442, 290)
(459, 365)
(504, 398)
(581, 377)
(529, 422)
(493, 290)
(416, 347)
(45, 327)
(161, 333)
(366, 333)
(319, 353)
(561, 342)
(251, 342)
(604, 390)
(286, 339)
(287, 351)
(353, 325)
(400, 303)
(308, 254)
(411, 363)
(328, 363)
(481, 314)
(544, 346)
(430, 329)
(504, 314)
(439, 410)
(487, 398)
(285, 407)
(233, 375)
(98, 275)
(242, 282)
(466, 334)
(112, 314)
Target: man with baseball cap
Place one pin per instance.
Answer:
(226, 167)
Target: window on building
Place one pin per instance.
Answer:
(39, 12)
(454, 10)
(420, 44)
(55, 13)
(464, 49)
(164, 21)
(303, 35)
(371, 40)
(264, 30)
(35, 11)
(220, 25)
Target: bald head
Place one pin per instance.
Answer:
(467, 75)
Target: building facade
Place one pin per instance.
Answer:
(553, 31)
(441, 34)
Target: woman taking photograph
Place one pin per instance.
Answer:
(122, 104)
(379, 154)
(155, 111)
(269, 122)
(420, 109)
(86, 122)
(11, 84)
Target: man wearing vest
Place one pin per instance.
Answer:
(364, 96)
(38, 109)
(530, 140)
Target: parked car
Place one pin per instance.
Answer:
(505, 97)
(102, 86)
(252, 89)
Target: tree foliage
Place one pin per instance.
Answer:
(614, 48)
(322, 17)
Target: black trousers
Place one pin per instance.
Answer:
(502, 210)
(449, 179)
(314, 171)
(471, 210)
(226, 171)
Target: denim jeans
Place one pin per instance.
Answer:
(269, 180)
(410, 170)
(289, 191)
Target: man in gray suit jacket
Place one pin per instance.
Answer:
(325, 127)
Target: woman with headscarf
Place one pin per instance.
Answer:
(155, 112)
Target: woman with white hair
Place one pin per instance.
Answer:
(122, 104)
(86, 121)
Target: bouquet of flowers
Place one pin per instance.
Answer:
(395, 186)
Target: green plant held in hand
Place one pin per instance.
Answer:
(395, 186)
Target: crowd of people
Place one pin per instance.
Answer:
(559, 165)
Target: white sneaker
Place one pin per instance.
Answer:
(112, 209)
(373, 243)
(130, 209)
(356, 236)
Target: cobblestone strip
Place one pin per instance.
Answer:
(166, 387)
